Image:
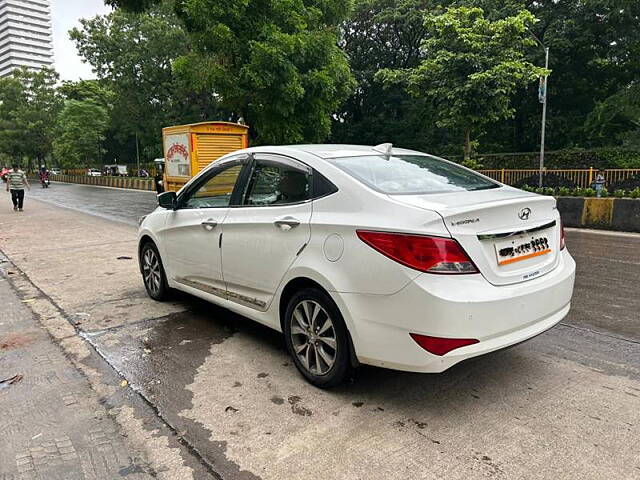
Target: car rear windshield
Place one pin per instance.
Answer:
(412, 174)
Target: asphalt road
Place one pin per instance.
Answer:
(563, 405)
(115, 204)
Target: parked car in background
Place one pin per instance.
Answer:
(55, 171)
(94, 172)
(115, 170)
(373, 255)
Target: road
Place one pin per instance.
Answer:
(113, 203)
(563, 405)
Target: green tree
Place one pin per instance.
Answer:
(30, 104)
(385, 34)
(12, 97)
(617, 117)
(472, 67)
(80, 133)
(274, 63)
(87, 90)
(594, 53)
(132, 55)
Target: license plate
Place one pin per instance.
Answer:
(521, 248)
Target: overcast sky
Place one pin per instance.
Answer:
(66, 15)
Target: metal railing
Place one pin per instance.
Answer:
(581, 177)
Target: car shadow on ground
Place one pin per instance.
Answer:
(503, 366)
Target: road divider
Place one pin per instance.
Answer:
(116, 182)
(604, 213)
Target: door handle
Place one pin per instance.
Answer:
(286, 223)
(209, 224)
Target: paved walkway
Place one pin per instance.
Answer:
(53, 425)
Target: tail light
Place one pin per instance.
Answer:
(441, 346)
(562, 241)
(420, 252)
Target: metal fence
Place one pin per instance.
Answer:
(582, 178)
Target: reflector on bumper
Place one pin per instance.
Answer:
(441, 346)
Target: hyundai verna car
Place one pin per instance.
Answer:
(363, 255)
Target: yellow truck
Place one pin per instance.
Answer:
(190, 148)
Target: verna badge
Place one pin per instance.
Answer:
(524, 213)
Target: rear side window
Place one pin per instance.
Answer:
(321, 186)
(412, 174)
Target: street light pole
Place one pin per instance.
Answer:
(137, 155)
(544, 113)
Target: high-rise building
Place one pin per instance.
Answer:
(25, 35)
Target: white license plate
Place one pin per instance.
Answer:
(521, 248)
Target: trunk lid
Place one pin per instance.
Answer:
(512, 236)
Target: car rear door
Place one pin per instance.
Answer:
(262, 237)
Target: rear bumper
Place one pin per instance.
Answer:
(454, 307)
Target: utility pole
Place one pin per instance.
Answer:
(543, 99)
(137, 155)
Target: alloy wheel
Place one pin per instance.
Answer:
(313, 337)
(151, 271)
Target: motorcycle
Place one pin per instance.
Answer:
(45, 182)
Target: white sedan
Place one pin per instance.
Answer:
(363, 255)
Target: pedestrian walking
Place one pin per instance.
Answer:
(16, 181)
(600, 182)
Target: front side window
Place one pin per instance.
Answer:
(274, 183)
(412, 174)
(216, 191)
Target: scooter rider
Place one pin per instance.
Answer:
(44, 176)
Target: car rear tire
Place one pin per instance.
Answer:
(153, 276)
(317, 338)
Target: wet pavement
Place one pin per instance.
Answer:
(563, 405)
(53, 425)
(112, 203)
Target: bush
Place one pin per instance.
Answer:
(548, 180)
(619, 193)
(581, 192)
(571, 158)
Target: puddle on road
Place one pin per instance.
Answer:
(160, 357)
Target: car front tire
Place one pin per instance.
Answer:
(317, 338)
(153, 275)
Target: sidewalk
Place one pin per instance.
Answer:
(53, 425)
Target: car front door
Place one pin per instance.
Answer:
(262, 237)
(191, 236)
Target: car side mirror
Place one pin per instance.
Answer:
(168, 200)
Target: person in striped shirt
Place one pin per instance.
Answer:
(16, 181)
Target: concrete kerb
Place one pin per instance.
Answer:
(601, 213)
(103, 378)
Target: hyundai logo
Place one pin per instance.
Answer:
(524, 213)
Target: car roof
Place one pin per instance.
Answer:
(337, 150)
